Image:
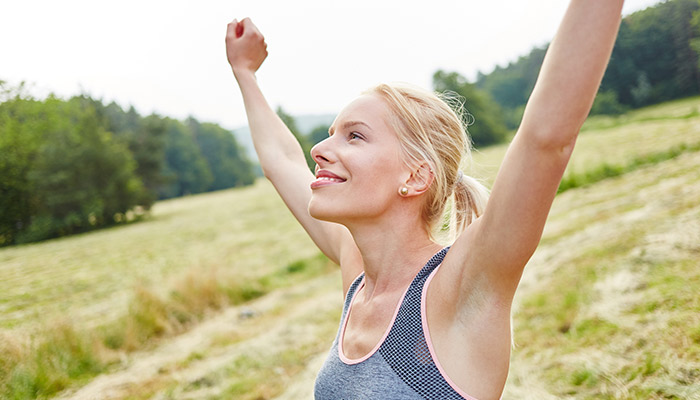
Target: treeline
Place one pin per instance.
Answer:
(69, 166)
(489, 128)
(655, 59)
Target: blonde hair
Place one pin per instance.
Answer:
(431, 131)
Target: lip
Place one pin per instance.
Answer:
(326, 178)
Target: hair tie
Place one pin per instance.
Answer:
(460, 176)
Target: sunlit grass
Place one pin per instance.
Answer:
(618, 317)
(60, 355)
(91, 277)
(639, 134)
(71, 308)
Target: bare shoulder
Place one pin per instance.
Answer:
(469, 326)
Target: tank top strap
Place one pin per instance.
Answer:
(406, 349)
(354, 286)
(429, 267)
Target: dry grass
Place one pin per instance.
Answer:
(60, 355)
(617, 141)
(616, 313)
(607, 309)
(91, 277)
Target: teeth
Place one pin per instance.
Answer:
(325, 178)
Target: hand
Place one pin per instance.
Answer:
(245, 46)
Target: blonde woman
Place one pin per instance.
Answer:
(424, 321)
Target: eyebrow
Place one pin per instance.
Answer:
(348, 124)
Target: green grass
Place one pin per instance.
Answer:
(634, 135)
(92, 276)
(60, 358)
(60, 355)
(609, 170)
(257, 382)
(688, 108)
(83, 302)
(617, 316)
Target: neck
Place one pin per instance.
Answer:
(392, 252)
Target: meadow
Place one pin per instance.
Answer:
(223, 295)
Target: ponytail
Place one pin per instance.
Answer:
(469, 202)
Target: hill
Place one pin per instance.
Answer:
(305, 123)
(222, 295)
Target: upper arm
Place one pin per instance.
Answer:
(499, 243)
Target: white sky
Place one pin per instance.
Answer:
(169, 56)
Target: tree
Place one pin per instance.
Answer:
(81, 177)
(226, 160)
(695, 41)
(318, 134)
(23, 121)
(487, 126)
(304, 141)
(655, 58)
(606, 103)
(145, 138)
(511, 86)
(185, 170)
(69, 166)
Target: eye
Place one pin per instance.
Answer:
(354, 136)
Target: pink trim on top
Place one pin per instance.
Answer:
(350, 361)
(429, 341)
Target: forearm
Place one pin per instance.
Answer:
(572, 70)
(273, 141)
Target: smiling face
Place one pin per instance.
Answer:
(360, 167)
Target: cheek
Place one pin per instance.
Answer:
(361, 201)
(374, 184)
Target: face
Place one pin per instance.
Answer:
(359, 166)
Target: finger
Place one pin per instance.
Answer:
(231, 27)
(249, 26)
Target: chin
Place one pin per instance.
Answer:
(319, 212)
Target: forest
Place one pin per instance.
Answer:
(70, 166)
(655, 59)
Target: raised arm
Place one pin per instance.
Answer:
(499, 244)
(280, 155)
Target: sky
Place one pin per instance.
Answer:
(169, 57)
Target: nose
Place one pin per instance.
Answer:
(321, 153)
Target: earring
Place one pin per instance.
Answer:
(403, 191)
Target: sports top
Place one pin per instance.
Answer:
(402, 366)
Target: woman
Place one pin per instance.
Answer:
(421, 321)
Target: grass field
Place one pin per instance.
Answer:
(222, 295)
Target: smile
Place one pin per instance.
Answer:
(325, 178)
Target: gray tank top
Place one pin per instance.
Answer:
(403, 364)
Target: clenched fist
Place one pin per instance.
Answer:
(245, 46)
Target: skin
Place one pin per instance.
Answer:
(361, 221)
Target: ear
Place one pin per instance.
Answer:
(420, 180)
